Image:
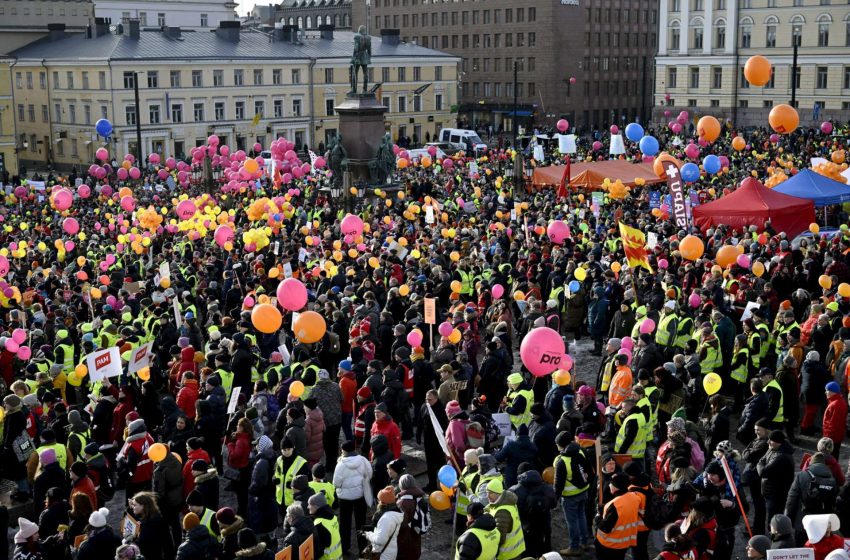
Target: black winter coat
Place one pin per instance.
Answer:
(102, 543)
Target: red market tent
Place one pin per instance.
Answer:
(752, 204)
(590, 175)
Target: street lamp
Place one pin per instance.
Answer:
(139, 155)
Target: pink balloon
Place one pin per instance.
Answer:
(597, 145)
(248, 302)
(351, 225)
(542, 351)
(258, 147)
(320, 162)
(212, 140)
(71, 226)
(774, 138)
(19, 335)
(122, 174)
(724, 161)
(663, 264)
(12, 346)
(286, 178)
(445, 328)
(223, 234)
(694, 300)
(498, 291)
(448, 164)
(676, 128)
(24, 353)
(558, 231)
(63, 199)
(567, 363)
(128, 204)
(563, 125)
(292, 294)
(627, 343)
(647, 326)
(414, 338)
(627, 353)
(135, 173)
(614, 129)
(743, 261)
(826, 127)
(102, 154)
(692, 151)
(153, 158)
(162, 174)
(224, 150)
(171, 163)
(185, 210)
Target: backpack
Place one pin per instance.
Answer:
(272, 407)
(491, 429)
(657, 512)
(821, 495)
(333, 343)
(421, 522)
(475, 435)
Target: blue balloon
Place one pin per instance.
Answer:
(711, 164)
(447, 475)
(574, 286)
(634, 132)
(103, 127)
(649, 145)
(690, 172)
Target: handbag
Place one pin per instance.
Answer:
(23, 447)
(372, 555)
(231, 474)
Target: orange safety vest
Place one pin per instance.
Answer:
(624, 534)
(621, 386)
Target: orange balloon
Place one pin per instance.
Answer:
(691, 247)
(446, 490)
(727, 255)
(838, 156)
(402, 163)
(296, 389)
(439, 501)
(739, 143)
(266, 318)
(549, 475)
(251, 165)
(456, 286)
(309, 327)
(660, 160)
(783, 118)
(157, 452)
(708, 128)
(757, 70)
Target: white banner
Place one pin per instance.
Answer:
(791, 554)
(140, 357)
(441, 436)
(104, 363)
(234, 399)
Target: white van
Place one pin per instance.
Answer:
(469, 138)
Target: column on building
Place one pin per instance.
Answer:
(732, 29)
(663, 31)
(708, 27)
(685, 27)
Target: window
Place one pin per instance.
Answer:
(42, 80)
(259, 107)
(714, 103)
(717, 77)
(698, 37)
(438, 101)
(402, 104)
(104, 112)
(57, 112)
(153, 79)
(45, 114)
(101, 80)
(258, 76)
(197, 78)
(720, 36)
(674, 38)
(417, 73)
(130, 114)
(438, 73)
(277, 77)
(29, 79)
(692, 102)
(329, 107)
(746, 35)
(278, 108)
(238, 77)
(770, 37)
(86, 114)
(532, 39)
(296, 76)
(744, 83)
(797, 34)
(72, 113)
(240, 110)
(767, 104)
(153, 114)
(296, 107)
(823, 34)
(520, 15)
(19, 81)
(532, 14)
(176, 112)
(174, 78)
(509, 15)
(821, 77)
(160, 19)
(694, 77)
(847, 77)
(219, 110)
(488, 89)
(385, 101)
(719, 4)
(205, 20)
(674, 6)
(60, 149)
(218, 78)
(402, 74)
(697, 5)
(56, 80)
(797, 75)
(385, 75)
(129, 80)
(74, 148)
(329, 75)
(70, 78)
(21, 112)
(198, 112)
(847, 34)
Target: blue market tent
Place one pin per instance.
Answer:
(821, 190)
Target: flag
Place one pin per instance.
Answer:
(634, 245)
(565, 180)
(256, 120)
(313, 158)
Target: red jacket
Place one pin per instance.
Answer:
(85, 486)
(187, 396)
(188, 479)
(239, 451)
(134, 453)
(389, 429)
(348, 386)
(835, 419)
(119, 419)
(826, 545)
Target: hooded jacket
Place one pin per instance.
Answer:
(349, 476)
(295, 431)
(385, 536)
(504, 521)
(168, 483)
(198, 545)
(389, 429)
(229, 538)
(187, 396)
(314, 431)
(801, 489)
(262, 508)
(776, 470)
(468, 546)
(512, 454)
(532, 493)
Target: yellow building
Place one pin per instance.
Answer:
(704, 44)
(8, 142)
(244, 86)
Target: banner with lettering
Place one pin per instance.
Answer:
(677, 195)
(104, 363)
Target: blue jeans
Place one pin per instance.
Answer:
(575, 516)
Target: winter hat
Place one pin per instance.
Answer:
(137, 427)
(452, 409)
(486, 463)
(98, 518)
(386, 495)
(318, 500)
(190, 521)
(364, 393)
(615, 343)
(300, 483)
(760, 543)
(496, 486)
(398, 465)
(80, 469)
(676, 425)
(704, 506)
(348, 446)
(225, 516)
(716, 469)
(515, 379)
(777, 436)
(833, 387)
(323, 374)
(13, 401)
(195, 498)
(470, 457)
(200, 465)
(838, 554)
(26, 529)
(286, 443)
(264, 443)
(30, 401)
(246, 538)
(816, 526)
(620, 481)
(781, 525)
(406, 482)
(552, 556)
(382, 407)
(813, 356)
(92, 448)
(725, 447)
(251, 413)
(47, 457)
(825, 445)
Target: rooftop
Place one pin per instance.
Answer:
(207, 45)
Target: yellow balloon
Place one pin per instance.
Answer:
(844, 290)
(580, 274)
(711, 383)
(404, 290)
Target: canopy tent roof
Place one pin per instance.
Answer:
(590, 175)
(752, 205)
(821, 190)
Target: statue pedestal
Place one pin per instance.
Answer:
(361, 124)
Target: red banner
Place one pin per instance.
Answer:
(677, 194)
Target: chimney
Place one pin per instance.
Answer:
(131, 29)
(229, 31)
(326, 31)
(286, 34)
(390, 37)
(55, 31)
(101, 26)
(172, 33)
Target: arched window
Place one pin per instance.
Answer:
(675, 35)
(770, 24)
(300, 22)
(309, 22)
(720, 33)
(336, 20)
(746, 32)
(797, 23)
(328, 20)
(824, 20)
(291, 20)
(696, 33)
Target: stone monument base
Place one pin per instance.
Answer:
(361, 124)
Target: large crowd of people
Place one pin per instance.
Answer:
(300, 350)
